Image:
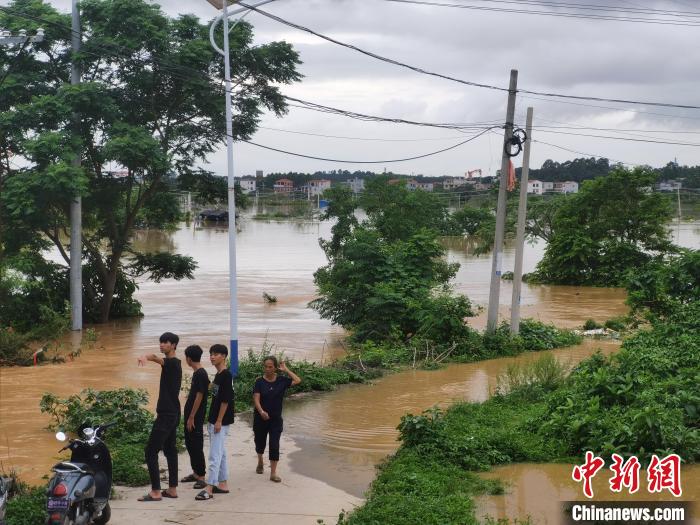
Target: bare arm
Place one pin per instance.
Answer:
(295, 378)
(258, 406)
(150, 357)
(195, 406)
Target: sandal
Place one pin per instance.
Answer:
(203, 496)
(166, 494)
(259, 469)
(148, 497)
(217, 490)
(191, 478)
(199, 484)
(275, 478)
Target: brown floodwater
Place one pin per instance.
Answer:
(536, 490)
(345, 432)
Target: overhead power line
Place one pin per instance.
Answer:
(559, 14)
(453, 79)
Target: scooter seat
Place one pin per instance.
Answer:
(73, 466)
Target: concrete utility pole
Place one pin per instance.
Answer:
(520, 238)
(76, 226)
(497, 262)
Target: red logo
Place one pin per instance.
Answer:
(587, 472)
(665, 474)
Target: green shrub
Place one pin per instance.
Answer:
(546, 373)
(13, 348)
(27, 506)
(591, 324)
(539, 336)
(617, 324)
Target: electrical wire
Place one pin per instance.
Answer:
(659, 21)
(344, 161)
(376, 139)
(453, 79)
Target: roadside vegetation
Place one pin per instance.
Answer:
(640, 401)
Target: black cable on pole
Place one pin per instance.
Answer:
(609, 18)
(367, 161)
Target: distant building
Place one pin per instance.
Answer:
(568, 186)
(451, 183)
(356, 185)
(482, 186)
(425, 186)
(547, 186)
(283, 186)
(258, 174)
(535, 187)
(669, 185)
(248, 184)
(412, 185)
(317, 187)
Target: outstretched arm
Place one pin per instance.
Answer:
(150, 357)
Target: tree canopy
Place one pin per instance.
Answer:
(613, 225)
(150, 107)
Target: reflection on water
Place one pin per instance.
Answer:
(536, 490)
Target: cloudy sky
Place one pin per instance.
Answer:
(576, 56)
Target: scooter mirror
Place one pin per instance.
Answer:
(88, 432)
(61, 436)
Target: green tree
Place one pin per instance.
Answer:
(387, 278)
(150, 106)
(613, 225)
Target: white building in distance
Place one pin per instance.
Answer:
(248, 184)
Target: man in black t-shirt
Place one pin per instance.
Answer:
(164, 429)
(220, 418)
(195, 410)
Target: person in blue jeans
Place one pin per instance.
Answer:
(220, 418)
(268, 394)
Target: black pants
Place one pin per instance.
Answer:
(162, 437)
(261, 429)
(194, 441)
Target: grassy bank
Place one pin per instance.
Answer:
(640, 401)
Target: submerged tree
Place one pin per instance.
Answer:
(150, 106)
(613, 225)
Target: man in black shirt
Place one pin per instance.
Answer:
(195, 410)
(164, 428)
(220, 418)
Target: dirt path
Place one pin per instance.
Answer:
(254, 499)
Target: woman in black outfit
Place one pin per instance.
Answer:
(268, 394)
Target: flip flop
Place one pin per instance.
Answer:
(217, 490)
(148, 497)
(199, 484)
(276, 479)
(203, 496)
(191, 478)
(166, 494)
(259, 469)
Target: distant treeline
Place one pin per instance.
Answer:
(576, 170)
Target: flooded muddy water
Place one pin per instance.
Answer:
(536, 490)
(353, 428)
(345, 432)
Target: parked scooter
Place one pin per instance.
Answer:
(78, 494)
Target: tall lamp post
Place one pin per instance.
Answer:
(233, 287)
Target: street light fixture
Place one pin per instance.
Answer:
(233, 288)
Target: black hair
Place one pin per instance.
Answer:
(194, 352)
(218, 349)
(169, 337)
(273, 359)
